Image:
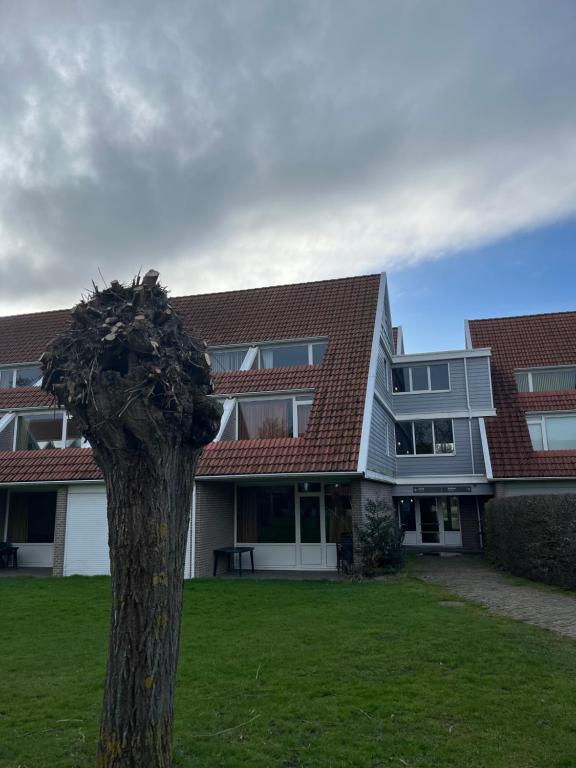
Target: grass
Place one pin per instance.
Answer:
(278, 674)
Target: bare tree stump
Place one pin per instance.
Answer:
(139, 388)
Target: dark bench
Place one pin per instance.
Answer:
(8, 554)
(229, 552)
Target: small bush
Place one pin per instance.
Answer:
(533, 536)
(379, 539)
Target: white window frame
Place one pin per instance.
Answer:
(544, 369)
(16, 368)
(64, 434)
(428, 391)
(540, 419)
(295, 403)
(309, 344)
(423, 455)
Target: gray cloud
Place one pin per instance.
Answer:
(248, 143)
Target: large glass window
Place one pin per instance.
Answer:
(546, 379)
(303, 411)
(552, 432)
(266, 514)
(31, 518)
(21, 376)
(424, 437)
(338, 512)
(421, 378)
(39, 431)
(407, 513)
(265, 419)
(404, 438)
(288, 355)
(310, 519)
(227, 359)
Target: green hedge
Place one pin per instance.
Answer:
(533, 536)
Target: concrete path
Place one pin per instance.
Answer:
(473, 579)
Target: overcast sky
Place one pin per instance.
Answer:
(246, 143)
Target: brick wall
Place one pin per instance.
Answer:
(60, 531)
(469, 522)
(362, 491)
(214, 523)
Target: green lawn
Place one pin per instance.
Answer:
(283, 674)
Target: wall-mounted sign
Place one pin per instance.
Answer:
(435, 489)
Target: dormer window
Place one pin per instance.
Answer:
(546, 379)
(252, 357)
(20, 376)
(421, 378)
(269, 417)
(552, 432)
(39, 431)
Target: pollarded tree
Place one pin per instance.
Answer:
(139, 388)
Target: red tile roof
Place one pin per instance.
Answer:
(47, 466)
(344, 311)
(24, 397)
(524, 342)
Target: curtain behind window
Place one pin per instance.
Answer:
(264, 419)
(551, 381)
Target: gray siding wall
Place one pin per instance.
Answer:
(479, 382)
(535, 488)
(439, 402)
(381, 436)
(382, 376)
(479, 466)
(459, 463)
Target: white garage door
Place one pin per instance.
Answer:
(86, 548)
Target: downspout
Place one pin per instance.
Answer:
(193, 533)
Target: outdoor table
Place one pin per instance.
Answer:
(230, 552)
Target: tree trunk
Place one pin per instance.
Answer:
(148, 519)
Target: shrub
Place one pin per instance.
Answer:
(379, 539)
(533, 536)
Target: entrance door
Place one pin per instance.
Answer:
(310, 535)
(430, 523)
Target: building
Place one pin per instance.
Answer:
(322, 411)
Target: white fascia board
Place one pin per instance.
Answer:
(34, 409)
(451, 354)
(534, 478)
(371, 383)
(485, 449)
(268, 342)
(441, 480)
(5, 420)
(264, 393)
(279, 476)
(29, 483)
(249, 358)
(229, 405)
(422, 416)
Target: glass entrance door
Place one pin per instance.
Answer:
(429, 521)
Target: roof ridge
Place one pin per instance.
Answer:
(350, 278)
(521, 317)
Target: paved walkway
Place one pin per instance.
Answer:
(473, 579)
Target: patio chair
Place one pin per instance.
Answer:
(345, 553)
(8, 555)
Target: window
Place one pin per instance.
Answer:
(31, 518)
(425, 437)
(22, 376)
(38, 431)
(421, 378)
(450, 508)
(267, 417)
(552, 432)
(266, 515)
(287, 355)
(407, 513)
(338, 512)
(546, 379)
(227, 359)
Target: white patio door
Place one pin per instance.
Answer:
(310, 530)
(438, 521)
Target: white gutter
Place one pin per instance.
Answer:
(448, 355)
(267, 475)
